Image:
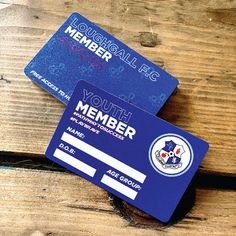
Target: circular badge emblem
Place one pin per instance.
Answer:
(171, 155)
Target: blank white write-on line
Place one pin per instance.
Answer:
(114, 184)
(79, 165)
(103, 157)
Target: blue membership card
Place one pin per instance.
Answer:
(80, 50)
(138, 157)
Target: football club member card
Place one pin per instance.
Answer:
(80, 50)
(138, 157)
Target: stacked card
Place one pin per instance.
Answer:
(102, 136)
(82, 50)
(138, 157)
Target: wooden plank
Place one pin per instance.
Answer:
(194, 41)
(55, 203)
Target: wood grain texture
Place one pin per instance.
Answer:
(193, 40)
(50, 203)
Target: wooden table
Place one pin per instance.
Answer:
(193, 40)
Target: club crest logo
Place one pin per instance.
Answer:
(171, 155)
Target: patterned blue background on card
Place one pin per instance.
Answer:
(140, 158)
(70, 56)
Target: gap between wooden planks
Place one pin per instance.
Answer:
(55, 203)
(195, 41)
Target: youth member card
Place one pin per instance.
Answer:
(82, 50)
(138, 157)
